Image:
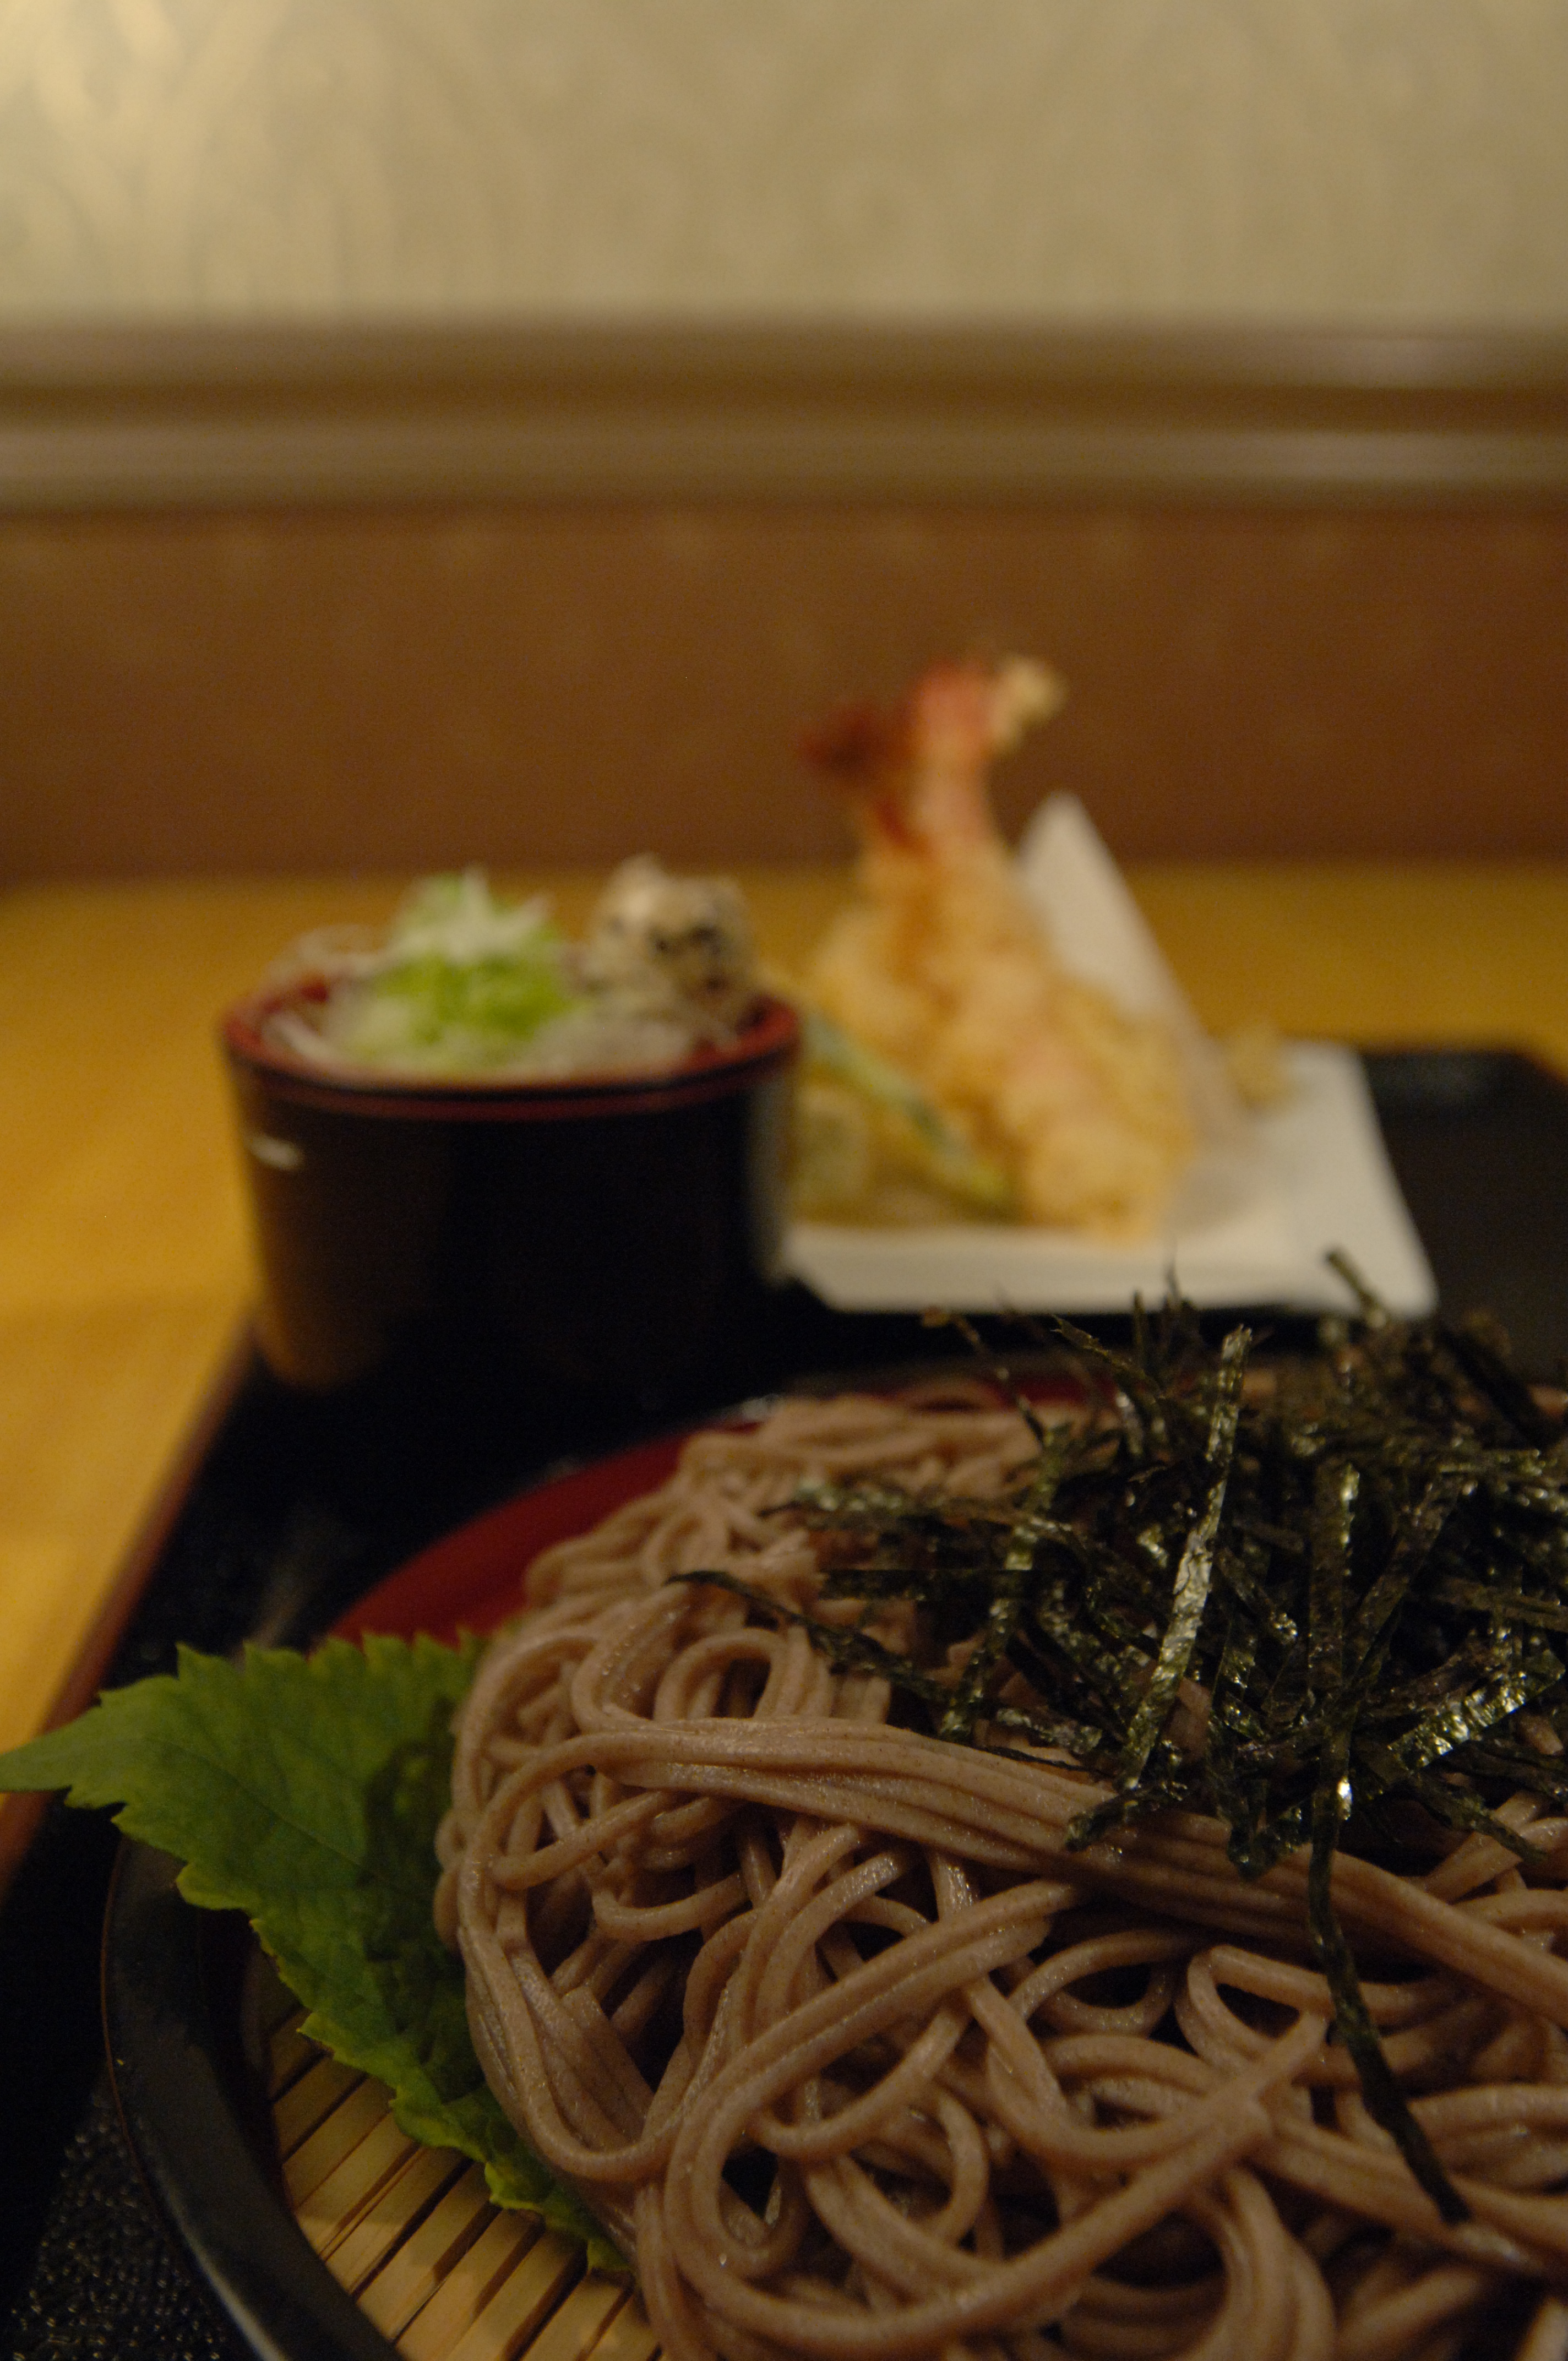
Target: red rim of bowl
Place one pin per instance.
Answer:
(767, 1045)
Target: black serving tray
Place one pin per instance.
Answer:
(1478, 1139)
(297, 1506)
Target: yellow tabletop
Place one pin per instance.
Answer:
(125, 1271)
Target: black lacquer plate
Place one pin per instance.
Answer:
(187, 2083)
(296, 1515)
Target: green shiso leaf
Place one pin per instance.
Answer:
(306, 1792)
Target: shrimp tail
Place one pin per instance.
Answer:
(858, 744)
(955, 721)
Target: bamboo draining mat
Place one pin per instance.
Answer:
(411, 2232)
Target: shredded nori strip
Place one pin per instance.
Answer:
(1325, 1599)
(1190, 1592)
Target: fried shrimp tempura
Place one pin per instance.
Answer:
(943, 967)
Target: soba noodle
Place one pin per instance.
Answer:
(856, 2060)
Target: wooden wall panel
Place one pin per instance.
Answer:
(524, 682)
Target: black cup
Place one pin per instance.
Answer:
(596, 1243)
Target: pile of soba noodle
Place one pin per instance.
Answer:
(854, 2059)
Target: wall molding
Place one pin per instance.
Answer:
(130, 418)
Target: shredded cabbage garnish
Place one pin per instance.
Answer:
(458, 921)
(462, 983)
(465, 984)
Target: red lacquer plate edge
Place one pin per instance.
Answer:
(471, 1579)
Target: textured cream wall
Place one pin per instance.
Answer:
(1342, 159)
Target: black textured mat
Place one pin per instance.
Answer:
(105, 2284)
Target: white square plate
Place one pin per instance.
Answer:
(1249, 1232)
